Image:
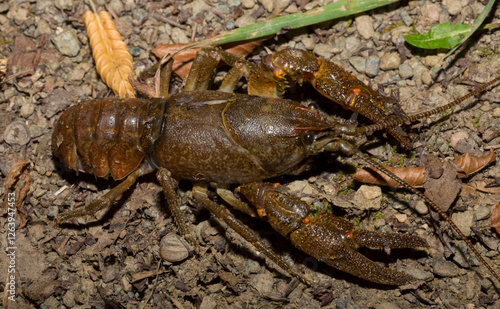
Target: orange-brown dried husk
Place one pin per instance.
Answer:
(471, 164)
(184, 58)
(113, 61)
(495, 218)
(412, 175)
(415, 175)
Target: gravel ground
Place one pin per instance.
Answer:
(117, 262)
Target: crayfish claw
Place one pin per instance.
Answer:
(332, 240)
(326, 237)
(351, 261)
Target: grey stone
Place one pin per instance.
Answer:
(364, 25)
(67, 43)
(444, 268)
(464, 221)
(390, 61)
(372, 66)
(405, 71)
(359, 63)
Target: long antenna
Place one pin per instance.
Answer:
(399, 121)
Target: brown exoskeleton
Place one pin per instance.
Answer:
(224, 138)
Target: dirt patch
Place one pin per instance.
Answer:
(117, 261)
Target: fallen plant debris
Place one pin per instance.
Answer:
(113, 61)
(184, 58)
(465, 165)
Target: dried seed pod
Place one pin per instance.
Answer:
(174, 248)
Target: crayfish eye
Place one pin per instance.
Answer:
(308, 138)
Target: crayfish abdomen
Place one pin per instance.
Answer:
(107, 137)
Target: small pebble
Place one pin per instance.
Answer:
(454, 7)
(17, 133)
(496, 112)
(482, 212)
(458, 136)
(364, 25)
(308, 43)
(419, 274)
(359, 63)
(27, 109)
(426, 78)
(387, 305)
(323, 50)
(352, 43)
(245, 20)
(445, 268)
(390, 61)
(52, 212)
(18, 14)
(247, 4)
(281, 4)
(421, 207)
(64, 4)
(372, 65)
(66, 43)
(405, 71)
(464, 221)
(401, 217)
(268, 5)
(178, 36)
(406, 18)
(69, 299)
(208, 303)
(139, 14)
(263, 283)
(116, 6)
(368, 197)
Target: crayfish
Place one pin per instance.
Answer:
(225, 138)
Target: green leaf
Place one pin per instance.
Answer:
(297, 20)
(440, 36)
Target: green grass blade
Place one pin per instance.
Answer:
(297, 20)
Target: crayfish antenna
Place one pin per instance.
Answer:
(399, 121)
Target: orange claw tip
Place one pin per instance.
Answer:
(306, 220)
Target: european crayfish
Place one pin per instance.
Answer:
(225, 138)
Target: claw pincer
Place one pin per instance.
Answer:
(335, 83)
(326, 237)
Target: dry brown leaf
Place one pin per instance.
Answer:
(471, 164)
(412, 175)
(495, 218)
(184, 59)
(113, 61)
(467, 163)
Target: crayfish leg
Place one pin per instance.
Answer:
(169, 186)
(107, 199)
(223, 214)
(203, 66)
